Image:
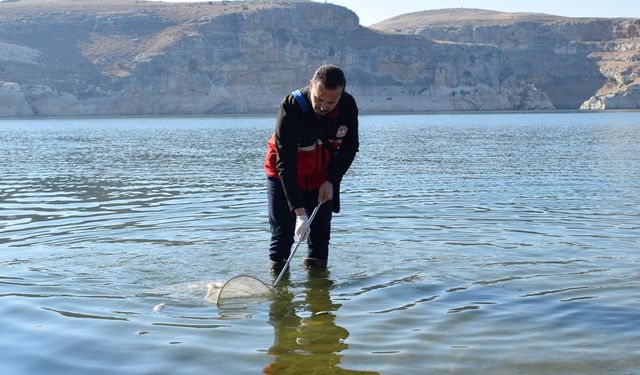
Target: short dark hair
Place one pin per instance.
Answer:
(331, 77)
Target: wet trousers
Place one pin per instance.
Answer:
(282, 221)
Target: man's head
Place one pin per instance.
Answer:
(327, 85)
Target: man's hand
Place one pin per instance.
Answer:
(302, 227)
(326, 192)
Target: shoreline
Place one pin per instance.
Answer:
(268, 114)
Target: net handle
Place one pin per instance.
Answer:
(302, 238)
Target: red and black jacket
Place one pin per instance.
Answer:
(306, 150)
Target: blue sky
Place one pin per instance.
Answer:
(372, 11)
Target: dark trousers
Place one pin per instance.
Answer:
(282, 221)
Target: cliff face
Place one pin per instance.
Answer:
(586, 63)
(148, 58)
(12, 100)
(619, 62)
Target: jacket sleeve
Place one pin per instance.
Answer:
(286, 137)
(350, 144)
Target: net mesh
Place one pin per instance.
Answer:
(239, 292)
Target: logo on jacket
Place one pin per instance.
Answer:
(342, 131)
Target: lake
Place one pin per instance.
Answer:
(495, 243)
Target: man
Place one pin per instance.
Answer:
(315, 141)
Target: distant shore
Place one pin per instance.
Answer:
(362, 114)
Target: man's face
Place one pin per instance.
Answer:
(324, 100)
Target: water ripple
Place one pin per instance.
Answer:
(501, 242)
(70, 314)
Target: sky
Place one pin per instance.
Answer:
(372, 11)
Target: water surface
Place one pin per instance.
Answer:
(492, 243)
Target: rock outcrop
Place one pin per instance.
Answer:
(12, 101)
(128, 57)
(619, 62)
(587, 63)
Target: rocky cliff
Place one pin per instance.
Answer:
(127, 57)
(587, 63)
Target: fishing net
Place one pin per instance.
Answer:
(244, 290)
(240, 292)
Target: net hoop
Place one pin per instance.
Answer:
(242, 291)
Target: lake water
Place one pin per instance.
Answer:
(488, 243)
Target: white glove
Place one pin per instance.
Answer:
(302, 227)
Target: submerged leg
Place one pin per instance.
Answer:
(282, 222)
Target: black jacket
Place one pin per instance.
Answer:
(306, 150)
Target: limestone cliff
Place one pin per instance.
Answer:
(619, 62)
(127, 57)
(587, 63)
(12, 100)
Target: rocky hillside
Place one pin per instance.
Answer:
(131, 57)
(587, 63)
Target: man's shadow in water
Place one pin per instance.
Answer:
(310, 344)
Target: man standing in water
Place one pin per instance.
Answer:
(313, 146)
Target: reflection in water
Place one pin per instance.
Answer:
(309, 344)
